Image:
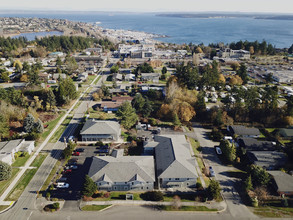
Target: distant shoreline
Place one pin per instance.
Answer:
(224, 15)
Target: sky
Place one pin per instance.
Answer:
(276, 6)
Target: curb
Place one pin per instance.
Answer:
(9, 207)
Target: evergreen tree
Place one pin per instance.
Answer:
(248, 183)
(5, 171)
(28, 123)
(58, 62)
(147, 108)
(214, 190)
(127, 115)
(39, 127)
(242, 72)
(138, 102)
(229, 150)
(50, 99)
(89, 187)
(164, 70)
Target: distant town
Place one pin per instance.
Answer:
(99, 119)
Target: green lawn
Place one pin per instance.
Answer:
(187, 208)
(21, 184)
(94, 207)
(20, 161)
(51, 175)
(5, 183)
(119, 196)
(91, 78)
(60, 130)
(51, 126)
(39, 160)
(98, 80)
(3, 207)
(274, 212)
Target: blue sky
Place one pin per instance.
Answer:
(277, 6)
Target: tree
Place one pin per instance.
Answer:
(127, 115)
(138, 102)
(4, 76)
(229, 150)
(290, 50)
(147, 108)
(89, 187)
(5, 171)
(58, 61)
(39, 127)
(235, 80)
(50, 99)
(71, 64)
(164, 70)
(33, 77)
(176, 121)
(4, 127)
(114, 69)
(28, 123)
(259, 176)
(242, 72)
(214, 190)
(18, 66)
(185, 111)
(248, 183)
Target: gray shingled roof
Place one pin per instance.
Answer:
(253, 144)
(283, 181)
(242, 130)
(173, 158)
(93, 126)
(122, 169)
(8, 146)
(267, 159)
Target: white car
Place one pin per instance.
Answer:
(212, 172)
(71, 138)
(218, 150)
(62, 185)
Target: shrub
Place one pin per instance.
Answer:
(198, 185)
(106, 195)
(5, 171)
(284, 203)
(48, 195)
(89, 187)
(56, 205)
(152, 196)
(99, 143)
(213, 191)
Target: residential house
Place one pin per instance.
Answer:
(282, 182)
(286, 133)
(174, 165)
(113, 105)
(82, 77)
(251, 144)
(56, 76)
(123, 173)
(269, 160)
(153, 77)
(100, 130)
(240, 130)
(9, 148)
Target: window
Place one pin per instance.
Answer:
(187, 184)
(141, 187)
(132, 183)
(187, 178)
(99, 184)
(125, 182)
(147, 187)
(176, 178)
(169, 178)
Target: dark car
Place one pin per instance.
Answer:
(79, 150)
(103, 150)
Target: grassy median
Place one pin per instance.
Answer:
(94, 207)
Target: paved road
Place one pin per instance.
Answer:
(28, 198)
(232, 198)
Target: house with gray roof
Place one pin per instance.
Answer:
(240, 130)
(174, 165)
(252, 144)
(100, 130)
(269, 160)
(286, 133)
(123, 173)
(9, 148)
(283, 182)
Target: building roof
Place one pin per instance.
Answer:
(122, 98)
(253, 144)
(93, 126)
(122, 168)
(110, 104)
(242, 130)
(283, 181)
(173, 158)
(286, 132)
(9, 146)
(267, 159)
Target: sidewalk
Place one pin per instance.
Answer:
(220, 206)
(31, 159)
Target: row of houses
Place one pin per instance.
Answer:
(264, 154)
(173, 167)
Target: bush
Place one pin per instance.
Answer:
(5, 171)
(213, 191)
(284, 203)
(152, 196)
(56, 205)
(48, 195)
(99, 143)
(106, 195)
(198, 185)
(216, 134)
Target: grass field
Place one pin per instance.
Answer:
(51, 126)
(118, 196)
(187, 208)
(94, 207)
(50, 177)
(60, 130)
(274, 212)
(21, 184)
(20, 161)
(39, 160)
(5, 183)
(3, 207)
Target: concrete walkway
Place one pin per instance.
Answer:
(220, 206)
(31, 159)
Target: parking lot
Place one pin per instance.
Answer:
(75, 178)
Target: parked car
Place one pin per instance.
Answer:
(212, 172)
(76, 153)
(62, 185)
(67, 171)
(79, 150)
(70, 138)
(62, 179)
(103, 151)
(218, 150)
(74, 167)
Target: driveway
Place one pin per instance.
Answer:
(232, 198)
